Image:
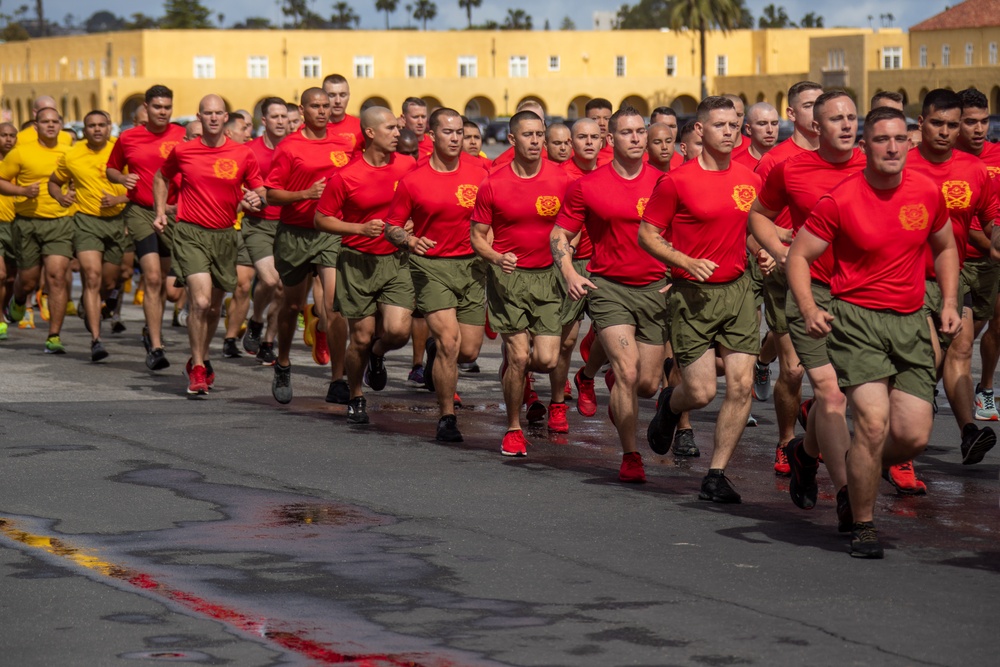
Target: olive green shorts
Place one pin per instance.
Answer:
(201, 250)
(811, 351)
(980, 279)
(706, 314)
(35, 238)
(139, 221)
(868, 345)
(298, 249)
(643, 307)
(573, 311)
(364, 281)
(460, 283)
(525, 300)
(7, 249)
(258, 236)
(104, 235)
(756, 280)
(242, 255)
(775, 301)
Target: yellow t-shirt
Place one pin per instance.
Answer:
(31, 163)
(88, 171)
(6, 209)
(30, 135)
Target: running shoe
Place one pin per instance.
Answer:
(230, 350)
(338, 392)
(781, 467)
(53, 345)
(845, 516)
(447, 429)
(536, 411)
(28, 320)
(468, 367)
(587, 342)
(986, 408)
(804, 409)
(97, 352)
(42, 300)
(182, 317)
(197, 382)
(416, 376)
(717, 488)
(684, 444)
(631, 470)
(156, 360)
(586, 397)
(802, 485)
(309, 320)
(140, 296)
(976, 442)
(864, 541)
(431, 350)
(514, 444)
(209, 374)
(557, 418)
(3, 331)
(251, 339)
(663, 425)
(71, 308)
(281, 384)
(904, 478)
(456, 400)
(116, 325)
(266, 355)
(761, 389)
(300, 323)
(357, 411)
(375, 375)
(751, 422)
(568, 391)
(175, 320)
(15, 311)
(320, 349)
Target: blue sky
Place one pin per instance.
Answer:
(906, 12)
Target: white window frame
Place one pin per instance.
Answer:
(517, 67)
(946, 55)
(670, 65)
(416, 67)
(258, 67)
(91, 69)
(993, 53)
(621, 66)
(892, 57)
(364, 67)
(79, 69)
(555, 63)
(311, 67)
(133, 66)
(204, 67)
(923, 56)
(970, 53)
(121, 66)
(722, 65)
(468, 67)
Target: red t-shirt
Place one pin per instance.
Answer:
(742, 148)
(610, 207)
(879, 238)
(968, 194)
(425, 147)
(704, 214)
(676, 160)
(605, 155)
(440, 205)
(348, 134)
(144, 153)
(783, 151)
(265, 156)
(584, 248)
(298, 163)
(797, 184)
(746, 158)
(359, 193)
(212, 181)
(991, 158)
(522, 211)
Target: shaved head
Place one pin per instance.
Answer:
(374, 116)
(211, 101)
(43, 102)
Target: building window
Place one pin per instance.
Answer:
(257, 67)
(121, 67)
(619, 66)
(133, 66)
(416, 67)
(722, 65)
(892, 57)
(468, 67)
(923, 56)
(945, 56)
(518, 67)
(91, 69)
(364, 67)
(993, 53)
(204, 67)
(553, 63)
(969, 52)
(79, 69)
(836, 61)
(671, 65)
(104, 67)
(311, 67)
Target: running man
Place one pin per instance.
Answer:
(8, 254)
(660, 147)
(762, 124)
(343, 124)
(414, 118)
(558, 144)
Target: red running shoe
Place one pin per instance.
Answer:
(632, 471)
(490, 333)
(586, 343)
(320, 350)
(586, 398)
(514, 444)
(781, 466)
(457, 400)
(557, 418)
(568, 391)
(905, 480)
(197, 384)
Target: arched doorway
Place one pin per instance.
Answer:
(95, 103)
(129, 107)
(76, 108)
(761, 97)
(779, 104)
(375, 102)
(19, 113)
(638, 103)
(684, 104)
(432, 103)
(533, 98)
(480, 107)
(576, 107)
(995, 100)
(906, 98)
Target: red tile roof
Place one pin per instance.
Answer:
(969, 14)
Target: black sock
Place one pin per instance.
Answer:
(716, 472)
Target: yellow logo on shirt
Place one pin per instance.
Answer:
(994, 172)
(957, 194)
(744, 196)
(166, 147)
(339, 158)
(225, 168)
(348, 137)
(640, 206)
(466, 195)
(914, 217)
(547, 205)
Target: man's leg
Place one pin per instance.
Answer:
(152, 302)
(268, 283)
(336, 325)
(870, 416)
(826, 430)
(288, 318)
(735, 409)
(447, 333)
(517, 352)
(560, 374)
(989, 349)
(56, 267)
(362, 330)
(956, 372)
(91, 266)
(787, 389)
(239, 305)
(200, 301)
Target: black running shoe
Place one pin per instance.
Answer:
(447, 429)
(431, 350)
(976, 442)
(864, 541)
(156, 360)
(117, 327)
(684, 444)
(147, 342)
(716, 487)
(375, 376)
(338, 392)
(536, 412)
(266, 355)
(468, 367)
(660, 433)
(845, 516)
(230, 350)
(251, 339)
(97, 352)
(357, 412)
(802, 468)
(281, 384)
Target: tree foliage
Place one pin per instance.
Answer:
(344, 17)
(103, 21)
(774, 17)
(655, 14)
(424, 11)
(811, 20)
(185, 15)
(387, 6)
(516, 19)
(302, 18)
(140, 21)
(567, 24)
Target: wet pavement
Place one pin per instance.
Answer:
(137, 526)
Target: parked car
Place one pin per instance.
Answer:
(497, 131)
(993, 134)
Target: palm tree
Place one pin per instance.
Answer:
(467, 5)
(387, 6)
(517, 19)
(343, 16)
(424, 10)
(703, 15)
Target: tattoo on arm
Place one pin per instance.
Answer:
(396, 236)
(623, 341)
(556, 245)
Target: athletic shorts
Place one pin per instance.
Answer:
(525, 300)
(198, 249)
(35, 238)
(706, 314)
(811, 351)
(7, 249)
(364, 281)
(573, 311)
(868, 345)
(641, 306)
(139, 221)
(443, 282)
(980, 279)
(242, 256)
(756, 280)
(298, 249)
(104, 235)
(775, 301)
(258, 235)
